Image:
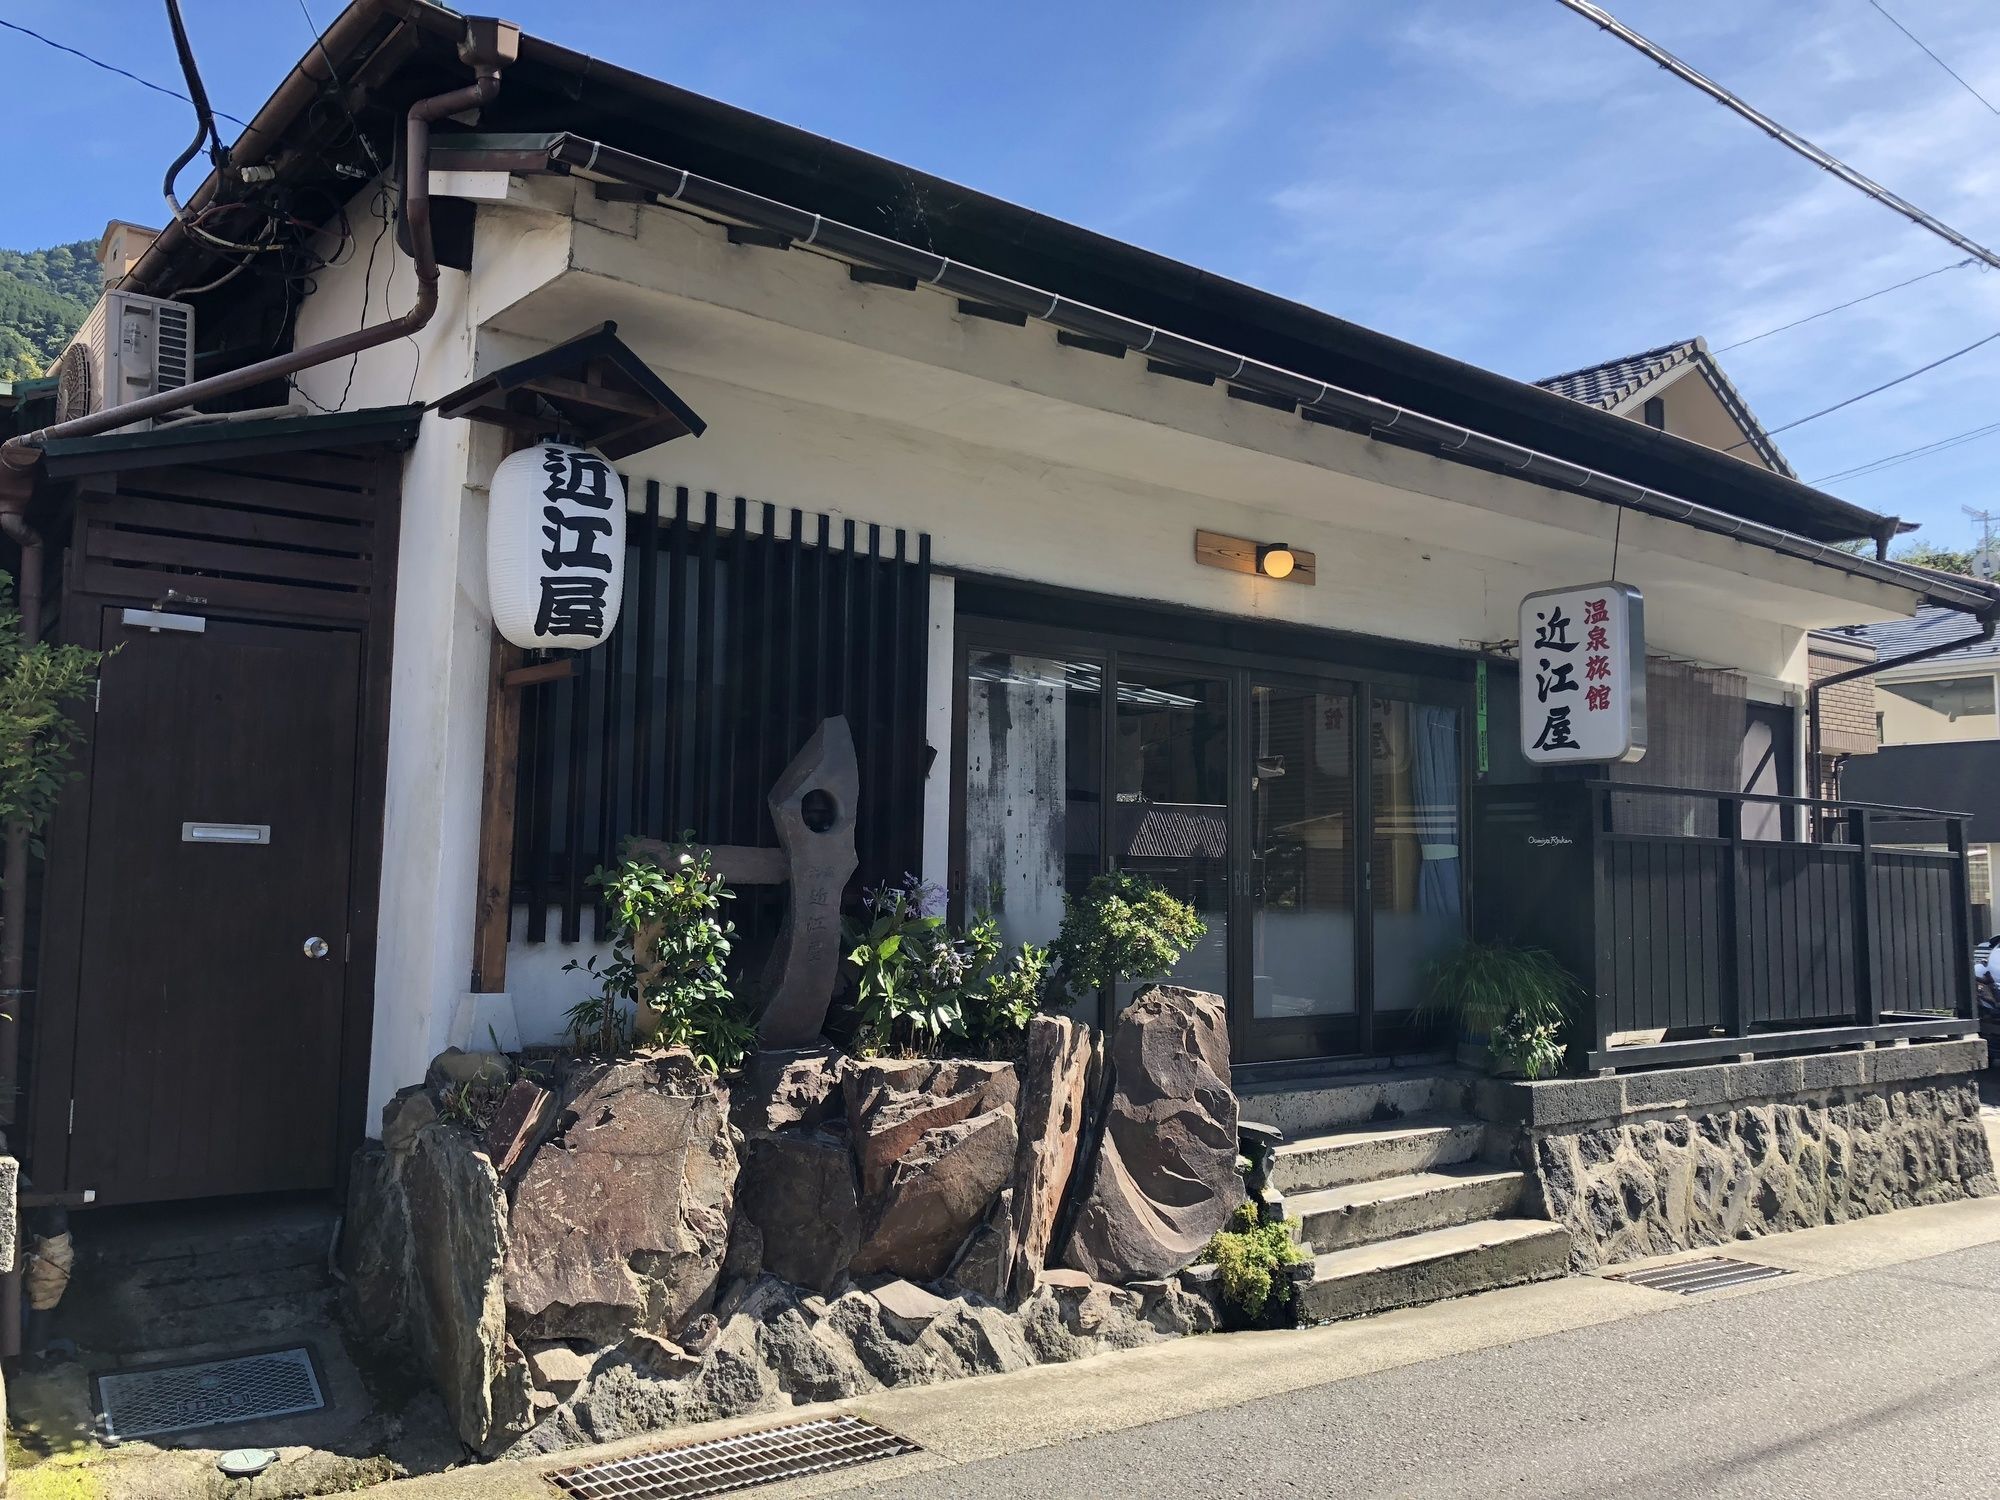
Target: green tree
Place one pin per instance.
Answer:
(44, 297)
(39, 686)
(1930, 555)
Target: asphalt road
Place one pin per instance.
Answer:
(1879, 1383)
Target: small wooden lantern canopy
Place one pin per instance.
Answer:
(601, 394)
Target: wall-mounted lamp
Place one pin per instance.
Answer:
(1275, 560)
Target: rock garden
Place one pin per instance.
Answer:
(665, 1224)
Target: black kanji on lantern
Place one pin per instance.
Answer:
(571, 606)
(581, 477)
(582, 553)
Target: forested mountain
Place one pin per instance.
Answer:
(44, 295)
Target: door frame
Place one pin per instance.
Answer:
(46, 1104)
(1245, 652)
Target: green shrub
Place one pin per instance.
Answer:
(1251, 1255)
(665, 982)
(1522, 1000)
(922, 988)
(1123, 926)
(39, 684)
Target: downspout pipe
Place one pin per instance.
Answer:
(487, 47)
(1987, 625)
(1317, 399)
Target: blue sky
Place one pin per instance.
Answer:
(1495, 179)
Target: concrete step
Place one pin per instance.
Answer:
(1432, 1266)
(1327, 1104)
(1368, 1153)
(1365, 1213)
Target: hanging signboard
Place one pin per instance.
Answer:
(555, 547)
(1583, 675)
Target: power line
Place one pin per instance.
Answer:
(110, 68)
(1872, 390)
(1790, 139)
(1843, 306)
(1922, 450)
(1934, 57)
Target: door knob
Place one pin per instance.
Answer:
(315, 947)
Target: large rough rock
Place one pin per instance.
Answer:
(1651, 1186)
(1164, 1179)
(936, 1192)
(375, 1249)
(891, 1104)
(620, 1225)
(796, 1090)
(458, 1312)
(798, 1189)
(1057, 1076)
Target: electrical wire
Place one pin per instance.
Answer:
(1843, 306)
(1934, 57)
(1907, 455)
(97, 62)
(1871, 391)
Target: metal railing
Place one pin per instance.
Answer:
(1696, 945)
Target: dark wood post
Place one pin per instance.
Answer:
(494, 895)
(1604, 934)
(1736, 979)
(1967, 1003)
(1869, 1013)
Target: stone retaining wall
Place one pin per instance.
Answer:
(1651, 1163)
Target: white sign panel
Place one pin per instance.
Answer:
(1583, 675)
(555, 547)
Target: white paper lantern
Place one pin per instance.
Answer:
(555, 547)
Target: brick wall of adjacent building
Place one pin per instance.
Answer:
(1847, 712)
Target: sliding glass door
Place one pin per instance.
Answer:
(1311, 820)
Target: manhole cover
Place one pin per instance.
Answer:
(178, 1398)
(735, 1463)
(1710, 1274)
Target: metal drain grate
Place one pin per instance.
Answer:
(178, 1398)
(1710, 1274)
(735, 1463)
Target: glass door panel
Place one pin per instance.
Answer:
(1170, 817)
(1414, 850)
(1034, 790)
(1301, 863)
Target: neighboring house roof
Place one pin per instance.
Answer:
(1616, 384)
(1928, 627)
(406, 49)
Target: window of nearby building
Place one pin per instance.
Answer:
(1938, 709)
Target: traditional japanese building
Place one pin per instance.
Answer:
(1106, 561)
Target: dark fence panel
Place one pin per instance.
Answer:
(1920, 960)
(1802, 962)
(1730, 944)
(743, 627)
(1666, 902)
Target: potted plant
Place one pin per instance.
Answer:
(1515, 1002)
(1123, 926)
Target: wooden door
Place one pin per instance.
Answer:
(221, 815)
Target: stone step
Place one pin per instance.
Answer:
(1326, 1104)
(1369, 1153)
(1432, 1266)
(1368, 1212)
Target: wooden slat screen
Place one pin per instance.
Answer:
(743, 627)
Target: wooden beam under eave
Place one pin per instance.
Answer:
(494, 897)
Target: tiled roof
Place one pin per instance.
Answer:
(1927, 628)
(1608, 384)
(1615, 382)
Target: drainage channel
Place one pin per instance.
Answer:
(1691, 1277)
(719, 1465)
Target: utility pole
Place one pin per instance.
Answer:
(1790, 139)
(1985, 562)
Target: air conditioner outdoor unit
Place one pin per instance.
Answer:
(130, 346)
